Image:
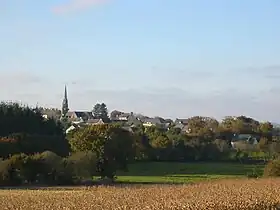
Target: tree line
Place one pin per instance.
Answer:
(34, 149)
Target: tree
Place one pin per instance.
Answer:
(240, 124)
(263, 144)
(29, 132)
(15, 118)
(203, 127)
(142, 143)
(114, 114)
(272, 169)
(113, 146)
(100, 111)
(161, 142)
(162, 147)
(266, 130)
(83, 164)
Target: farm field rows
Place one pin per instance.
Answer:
(215, 186)
(242, 194)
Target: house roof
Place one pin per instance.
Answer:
(133, 120)
(124, 115)
(185, 128)
(244, 137)
(183, 121)
(168, 120)
(152, 120)
(81, 114)
(181, 126)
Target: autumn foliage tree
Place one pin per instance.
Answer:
(113, 146)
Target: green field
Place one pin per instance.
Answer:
(166, 172)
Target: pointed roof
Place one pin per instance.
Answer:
(65, 107)
(65, 92)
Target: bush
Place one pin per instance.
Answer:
(272, 168)
(45, 168)
(83, 164)
(254, 173)
(31, 169)
(10, 170)
(52, 161)
(55, 169)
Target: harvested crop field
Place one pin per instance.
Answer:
(228, 194)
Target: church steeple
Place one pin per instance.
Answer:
(65, 107)
(65, 93)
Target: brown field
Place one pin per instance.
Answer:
(228, 194)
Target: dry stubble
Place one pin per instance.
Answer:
(228, 194)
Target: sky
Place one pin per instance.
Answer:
(169, 58)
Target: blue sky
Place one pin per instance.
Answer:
(174, 58)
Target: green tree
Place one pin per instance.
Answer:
(113, 147)
(161, 142)
(15, 118)
(100, 111)
(162, 147)
(29, 132)
(142, 143)
(202, 127)
(266, 130)
(272, 169)
(240, 124)
(83, 164)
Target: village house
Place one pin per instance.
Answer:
(157, 121)
(182, 124)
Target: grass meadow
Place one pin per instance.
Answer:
(170, 172)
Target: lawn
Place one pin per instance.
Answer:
(170, 172)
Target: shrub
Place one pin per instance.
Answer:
(52, 161)
(254, 173)
(10, 170)
(45, 168)
(31, 169)
(55, 169)
(272, 168)
(66, 176)
(83, 164)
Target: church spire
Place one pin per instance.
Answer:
(65, 92)
(65, 107)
